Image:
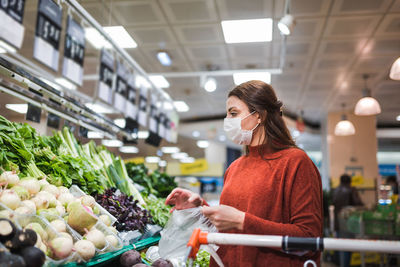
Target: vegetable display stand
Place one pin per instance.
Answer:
(111, 257)
(288, 243)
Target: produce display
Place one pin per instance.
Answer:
(158, 210)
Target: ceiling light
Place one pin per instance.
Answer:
(2, 50)
(120, 36)
(398, 118)
(179, 155)
(181, 106)
(98, 108)
(95, 135)
(166, 105)
(96, 39)
(203, 143)
(286, 24)
(120, 123)
(188, 160)
(196, 134)
(64, 82)
(222, 138)
(170, 149)
(210, 85)
(247, 31)
(395, 70)
(140, 81)
(7, 47)
(20, 108)
(159, 81)
(367, 105)
(242, 77)
(162, 163)
(112, 143)
(152, 159)
(164, 58)
(143, 134)
(128, 149)
(344, 127)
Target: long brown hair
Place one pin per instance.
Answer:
(261, 98)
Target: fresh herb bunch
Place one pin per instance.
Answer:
(202, 259)
(127, 211)
(158, 210)
(158, 184)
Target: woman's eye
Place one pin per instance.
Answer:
(233, 114)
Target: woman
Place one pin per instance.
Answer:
(274, 189)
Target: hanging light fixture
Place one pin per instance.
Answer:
(367, 105)
(395, 70)
(344, 127)
(287, 22)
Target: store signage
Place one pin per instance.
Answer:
(142, 117)
(131, 108)
(34, 113)
(153, 121)
(200, 165)
(137, 160)
(167, 126)
(121, 87)
(106, 76)
(74, 52)
(11, 16)
(48, 32)
(174, 122)
(154, 139)
(161, 126)
(53, 120)
(83, 132)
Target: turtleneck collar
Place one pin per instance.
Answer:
(267, 151)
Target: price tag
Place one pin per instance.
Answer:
(131, 110)
(142, 117)
(161, 126)
(106, 76)
(83, 132)
(167, 126)
(121, 88)
(53, 120)
(153, 121)
(74, 52)
(11, 17)
(48, 33)
(132, 127)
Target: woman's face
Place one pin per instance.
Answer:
(236, 108)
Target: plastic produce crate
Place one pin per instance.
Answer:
(378, 223)
(111, 258)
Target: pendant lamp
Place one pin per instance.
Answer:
(367, 105)
(344, 127)
(395, 70)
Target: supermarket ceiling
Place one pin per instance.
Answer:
(333, 43)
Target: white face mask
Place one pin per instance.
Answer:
(233, 129)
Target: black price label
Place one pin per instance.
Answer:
(48, 30)
(106, 75)
(142, 103)
(75, 42)
(14, 8)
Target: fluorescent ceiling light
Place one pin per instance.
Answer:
(398, 118)
(2, 50)
(203, 143)
(222, 138)
(52, 84)
(95, 135)
(188, 160)
(242, 77)
(159, 81)
(112, 143)
(170, 149)
(143, 134)
(179, 155)
(128, 149)
(120, 36)
(210, 85)
(247, 31)
(166, 105)
(162, 163)
(140, 81)
(96, 39)
(286, 24)
(164, 58)
(152, 159)
(7, 47)
(67, 84)
(196, 134)
(120, 123)
(98, 108)
(20, 108)
(181, 106)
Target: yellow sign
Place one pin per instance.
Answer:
(138, 160)
(357, 180)
(199, 165)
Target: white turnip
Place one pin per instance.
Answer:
(50, 198)
(21, 192)
(10, 199)
(59, 225)
(40, 202)
(105, 219)
(97, 238)
(88, 201)
(61, 247)
(112, 240)
(66, 198)
(31, 184)
(9, 177)
(85, 249)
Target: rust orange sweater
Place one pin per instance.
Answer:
(282, 196)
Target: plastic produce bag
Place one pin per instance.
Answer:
(177, 232)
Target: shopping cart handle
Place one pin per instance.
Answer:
(302, 243)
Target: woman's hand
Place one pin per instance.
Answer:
(225, 217)
(183, 199)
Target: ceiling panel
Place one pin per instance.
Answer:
(239, 9)
(190, 11)
(351, 26)
(306, 29)
(249, 51)
(199, 34)
(360, 6)
(309, 7)
(139, 12)
(206, 52)
(150, 36)
(384, 46)
(390, 26)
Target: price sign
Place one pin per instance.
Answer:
(106, 76)
(52, 119)
(11, 16)
(167, 126)
(161, 126)
(74, 52)
(142, 117)
(121, 88)
(131, 110)
(153, 122)
(48, 33)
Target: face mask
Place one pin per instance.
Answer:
(233, 129)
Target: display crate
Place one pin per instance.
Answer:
(378, 222)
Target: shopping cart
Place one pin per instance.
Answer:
(287, 243)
